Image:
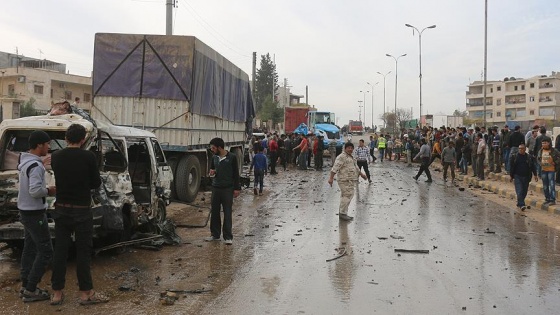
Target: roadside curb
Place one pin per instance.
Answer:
(535, 186)
(499, 189)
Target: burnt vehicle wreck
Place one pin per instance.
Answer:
(135, 176)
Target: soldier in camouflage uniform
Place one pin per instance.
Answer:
(347, 172)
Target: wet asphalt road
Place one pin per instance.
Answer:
(278, 265)
(483, 258)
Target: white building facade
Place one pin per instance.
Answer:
(526, 101)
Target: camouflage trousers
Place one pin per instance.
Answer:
(346, 194)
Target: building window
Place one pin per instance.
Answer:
(491, 90)
(531, 85)
(498, 114)
(38, 89)
(499, 101)
(68, 95)
(515, 88)
(532, 112)
(546, 111)
(87, 97)
(499, 88)
(11, 90)
(523, 87)
(531, 98)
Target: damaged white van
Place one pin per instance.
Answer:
(135, 176)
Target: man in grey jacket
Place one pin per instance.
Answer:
(424, 154)
(32, 204)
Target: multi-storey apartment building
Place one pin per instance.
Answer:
(526, 101)
(22, 79)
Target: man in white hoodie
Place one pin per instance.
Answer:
(32, 204)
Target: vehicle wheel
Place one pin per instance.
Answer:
(187, 180)
(239, 155)
(173, 164)
(160, 213)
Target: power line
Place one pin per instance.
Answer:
(214, 33)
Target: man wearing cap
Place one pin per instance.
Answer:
(32, 204)
(347, 172)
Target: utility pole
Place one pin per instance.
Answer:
(485, 55)
(286, 94)
(254, 75)
(169, 17)
(307, 96)
(272, 75)
(2, 97)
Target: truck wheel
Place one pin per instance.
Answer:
(173, 164)
(160, 213)
(239, 155)
(187, 180)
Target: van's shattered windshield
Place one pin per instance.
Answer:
(16, 141)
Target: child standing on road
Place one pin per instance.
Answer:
(259, 163)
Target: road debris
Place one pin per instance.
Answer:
(195, 291)
(126, 243)
(413, 251)
(342, 253)
(397, 237)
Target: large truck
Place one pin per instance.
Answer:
(294, 116)
(320, 123)
(178, 88)
(356, 127)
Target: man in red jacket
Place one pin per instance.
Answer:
(273, 152)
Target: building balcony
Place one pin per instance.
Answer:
(471, 104)
(546, 86)
(515, 101)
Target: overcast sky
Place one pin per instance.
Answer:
(334, 47)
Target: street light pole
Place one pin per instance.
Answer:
(396, 86)
(420, 57)
(360, 111)
(364, 92)
(372, 86)
(384, 107)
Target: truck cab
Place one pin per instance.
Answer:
(134, 173)
(322, 124)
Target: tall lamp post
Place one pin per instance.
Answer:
(420, 57)
(372, 86)
(364, 92)
(396, 85)
(384, 107)
(360, 110)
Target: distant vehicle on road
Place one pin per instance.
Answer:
(356, 127)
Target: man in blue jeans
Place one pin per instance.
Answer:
(522, 165)
(549, 160)
(32, 204)
(259, 163)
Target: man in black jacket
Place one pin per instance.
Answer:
(522, 165)
(76, 174)
(224, 171)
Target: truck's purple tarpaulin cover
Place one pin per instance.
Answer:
(171, 67)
